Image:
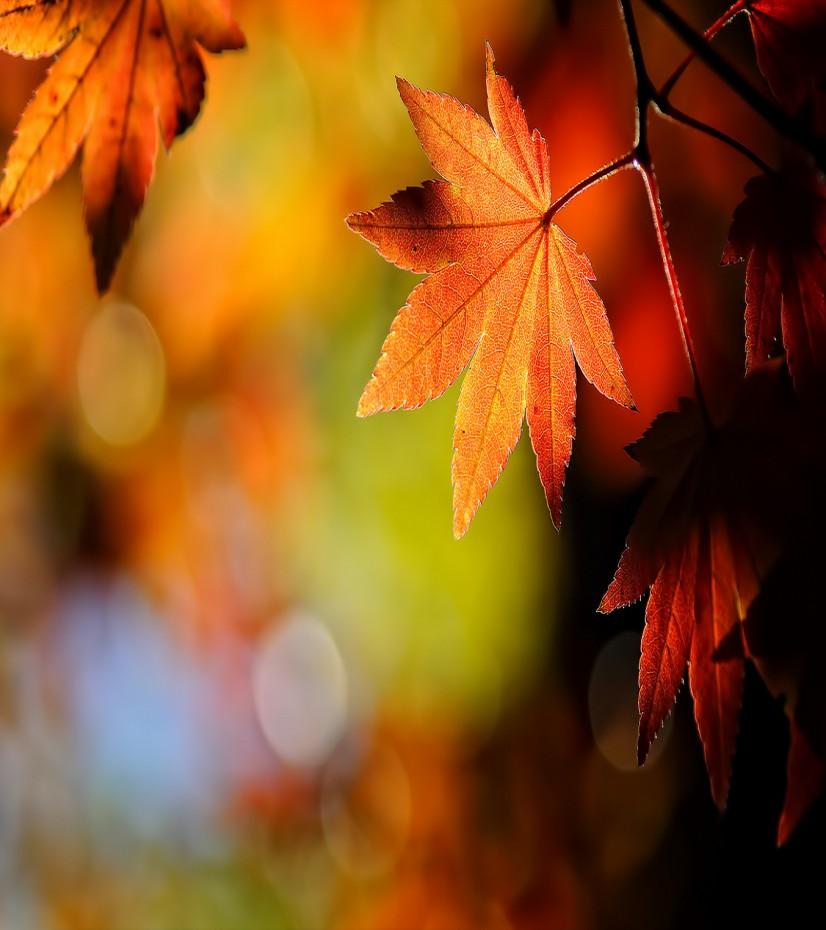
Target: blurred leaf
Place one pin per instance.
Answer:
(125, 71)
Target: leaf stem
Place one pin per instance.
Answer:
(646, 96)
(619, 164)
(776, 117)
(667, 109)
(660, 228)
(659, 100)
(714, 29)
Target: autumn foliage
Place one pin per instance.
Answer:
(726, 546)
(129, 73)
(510, 296)
(509, 293)
(780, 231)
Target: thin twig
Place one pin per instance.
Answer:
(645, 86)
(777, 118)
(668, 110)
(714, 29)
(646, 95)
(655, 203)
(626, 161)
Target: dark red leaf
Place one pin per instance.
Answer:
(780, 231)
(789, 41)
(696, 545)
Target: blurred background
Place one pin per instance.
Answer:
(248, 680)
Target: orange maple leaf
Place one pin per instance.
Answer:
(128, 72)
(508, 292)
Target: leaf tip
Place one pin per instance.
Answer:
(646, 735)
(632, 450)
(785, 828)
(237, 41)
(622, 394)
(651, 725)
(490, 59)
(555, 509)
(104, 272)
(462, 517)
(644, 740)
(367, 405)
(731, 254)
(719, 794)
(605, 606)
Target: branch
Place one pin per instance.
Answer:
(776, 117)
(660, 228)
(619, 164)
(646, 95)
(716, 27)
(645, 87)
(667, 109)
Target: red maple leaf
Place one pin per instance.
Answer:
(699, 549)
(780, 231)
(789, 41)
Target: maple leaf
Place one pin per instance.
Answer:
(789, 38)
(507, 293)
(699, 549)
(780, 230)
(128, 72)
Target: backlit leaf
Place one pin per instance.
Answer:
(507, 293)
(129, 73)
